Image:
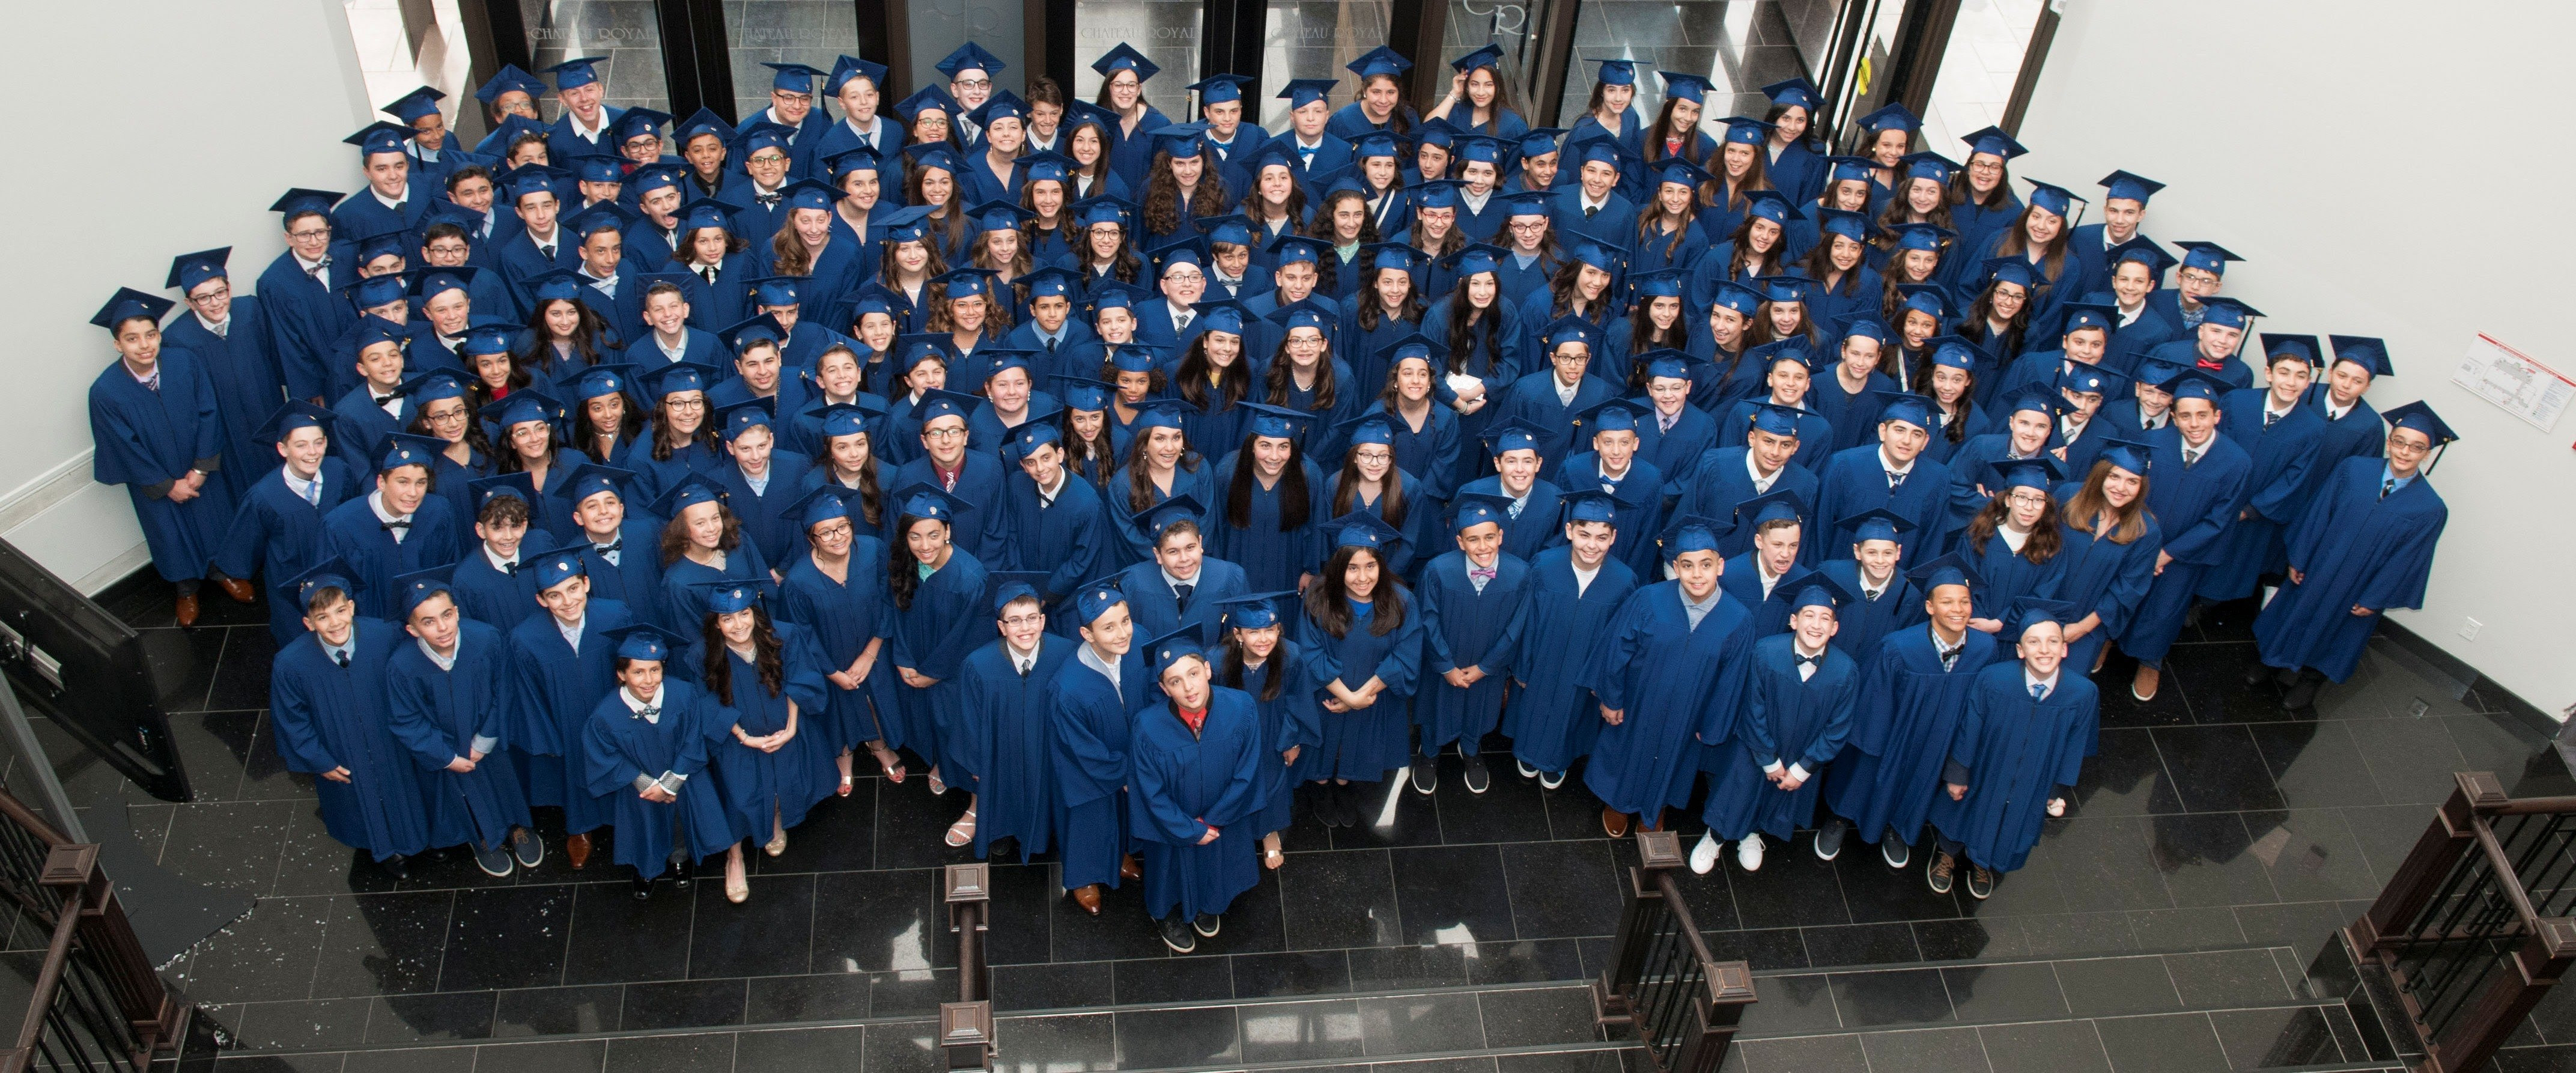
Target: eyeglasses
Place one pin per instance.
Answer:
(443, 417)
(2401, 445)
(1024, 621)
(310, 234)
(210, 297)
(2029, 499)
(972, 83)
(684, 404)
(942, 433)
(769, 158)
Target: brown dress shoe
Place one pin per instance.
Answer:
(1088, 897)
(1614, 822)
(1129, 869)
(187, 610)
(238, 589)
(578, 848)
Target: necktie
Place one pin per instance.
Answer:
(548, 249)
(404, 523)
(1181, 323)
(2189, 457)
(509, 569)
(1873, 594)
(2387, 486)
(1895, 480)
(224, 330)
(708, 271)
(647, 714)
(152, 382)
(1181, 596)
(313, 492)
(1590, 210)
(315, 272)
(1023, 666)
(2039, 691)
(2269, 417)
(1514, 511)
(341, 658)
(1050, 345)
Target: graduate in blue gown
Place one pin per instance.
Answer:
(1892, 474)
(1784, 372)
(277, 529)
(1782, 528)
(1540, 397)
(1852, 410)
(679, 437)
(1426, 433)
(1677, 434)
(1472, 625)
(644, 751)
(835, 590)
(759, 679)
(604, 530)
(1270, 510)
(2020, 747)
(396, 528)
(2108, 560)
(1883, 598)
(2090, 247)
(2353, 428)
(300, 307)
(1179, 585)
(973, 478)
(561, 664)
(1059, 527)
(159, 430)
(2013, 541)
(1361, 634)
(2212, 343)
(326, 697)
(1007, 760)
(1369, 481)
(1096, 699)
(1573, 590)
(2366, 546)
(1761, 463)
(1194, 768)
(2282, 436)
(491, 582)
(1912, 693)
(762, 480)
(1611, 464)
(1794, 715)
(1666, 671)
(938, 590)
(392, 202)
(709, 546)
(2029, 430)
(228, 336)
(1530, 523)
(1258, 659)
(2198, 487)
(449, 695)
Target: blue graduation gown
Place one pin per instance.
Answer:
(302, 318)
(521, 261)
(279, 534)
(687, 605)
(2360, 434)
(1676, 687)
(2276, 489)
(764, 514)
(758, 786)
(1533, 398)
(1768, 613)
(1064, 540)
(948, 619)
(617, 745)
(843, 617)
(145, 437)
(486, 593)
(1088, 736)
(563, 143)
(1615, 223)
(1009, 759)
(655, 476)
(453, 481)
(984, 526)
(1362, 745)
(634, 579)
(1853, 416)
(1676, 454)
(438, 715)
(2013, 753)
(1640, 517)
(1429, 453)
(1968, 472)
(1131, 546)
(1788, 722)
(1289, 720)
(1725, 478)
(1536, 528)
(248, 387)
(1856, 480)
(1466, 628)
(2194, 506)
(353, 532)
(2097, 576)
(1421, 526)
(1864, 622)
(2184, 351)
(1271, 559)
(2005, 575)
(1185, 783)
(2355, 549)
(1550, 717)
(1157, 611)
(552, 692)
(362, 214)
(1906, 714)
(327, 717)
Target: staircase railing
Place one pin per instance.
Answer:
(1662, 985)
(966, 1025)
(96, 1005)
(2475, 925)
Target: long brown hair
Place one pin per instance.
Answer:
(1650, 141)
(1283, 377)
(1064, 226)
(1230, 668)
(586, 333)
(903, 578)
(2044, 540)
(1466, 328)
(1391, 492)
(1294, 497)
(1901, 211)
(1163, 194)
(2089, 503)
(2016, 243)
(1190, 381)
(1372, 309)
(1328, 599)
(1140, 474)
(766, 656)
(788, 253)
(675, 535)
(660, 422)
(871, 496)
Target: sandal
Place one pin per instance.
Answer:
(962, 831)
(1272, 858)
(844, 791)
(892, 765)
(937, 787)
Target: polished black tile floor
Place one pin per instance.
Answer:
(2211, 820)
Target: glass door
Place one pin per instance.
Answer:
(810, 32)
(1313, 39)
(1168, 32)
(627, 32)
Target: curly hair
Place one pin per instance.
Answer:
(768, 657)
(1163, 195)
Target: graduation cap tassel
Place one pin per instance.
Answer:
(2438, 452)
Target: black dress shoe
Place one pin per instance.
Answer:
(643, 888)
(2259, 675)
(2304, 693)
(1207, 925)
(396, 866)
(682, 871)
(1176, 934)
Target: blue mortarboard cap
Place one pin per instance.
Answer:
(1287, 249)
(692, 490)
(612, 378)
(1125, 57)
(1904, 406)
(1235, 229)
(845, 68)
(1170, 649)
(2081, 315)
(429, 283)
(1679, 171)
(1610, 415)
(2014, 270)
(2144, 251)
(1783, 288)
(1159, 413)
(1478, 508)
(1084, 393)
(1930, 299)
(1780, 504)
(1929, 165)
(1538, 141)
(2151, 372)
(552, 568)
(592, 479)
(525, 405)
(2362, 350)
(1109, 294)
(1949, 569)
(190, 269)
(1009, 585)
(1692, 532)
(746, 415)
(1738, 297)
(1877, 523)
(1179, 141)
(1856, 169)
(2031, 611)
(809, 194)
(1992, 141)
(1306, 313)
(1851, 225)
(993, 216)
(1570, 329)
(1953, 352)
(1617, 73)
(2195, 383)
(1598, 147)
(296, 414)
(1793, 348)
(380, 137)
(1367, 429)
(1254, 611)
(1489, 56)
(2038, 471)
(1796, 92)
(927, 99)
(529, 180)
(1222, 315)
(576, 73)
(938, 403)
(1394, 255)
(331, 573)
(299, 199)
(416, 587)
(2126, 454)
(509, 79)
(1590, 505)
(677, 377)
(2208, 257)
(397, 450)
(2052, 198)
(1095, 600)
(598, 168)
(1437, 193)
(645, 641)
(1053, 282)
(433, 386)
(910, 223)
(793, 77)
(2278, 345)
(2420, 417)
(1476, 148)
(558, 285)
(1922, 236)
(1362, 529)
(1892, 117)
(1003, 104)
(374, 329)
(1154, 519)
(1094, 211)
(1032, 435)
(1776, 419)
(1746, 130)
(1301, 92)
(2226, 312)
(519, 486)
(2090, 380)
(971, 57)
(927, 502)
(2036, 399)
(1688, 87)
(1815, 588)
(702, 121)
(1379, 61)
(967, 282)
(704, 213)
(412, 106)
(1376, 144)
(1517, 434)
(1667, 283)
(1219, 89)
(850, 418)
(1862, 325)
(2124, 185)
(934, 155)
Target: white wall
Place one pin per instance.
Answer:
(2319, 139)
(166, 126)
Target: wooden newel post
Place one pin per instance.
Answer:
(1715, 1016)
(966, 1035)
(105, 932)
(2490, 1018)
(1641, 915)
(2429, 864)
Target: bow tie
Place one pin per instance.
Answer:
(647, 713)
(609, 549)
(403, 524)
(1482, 573)
(768, 201)
(323, 262)
(383, 399)
(1804, 660)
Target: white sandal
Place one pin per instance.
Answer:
(962, 831)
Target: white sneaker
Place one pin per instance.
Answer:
(1703, 858)
(1749, 852)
